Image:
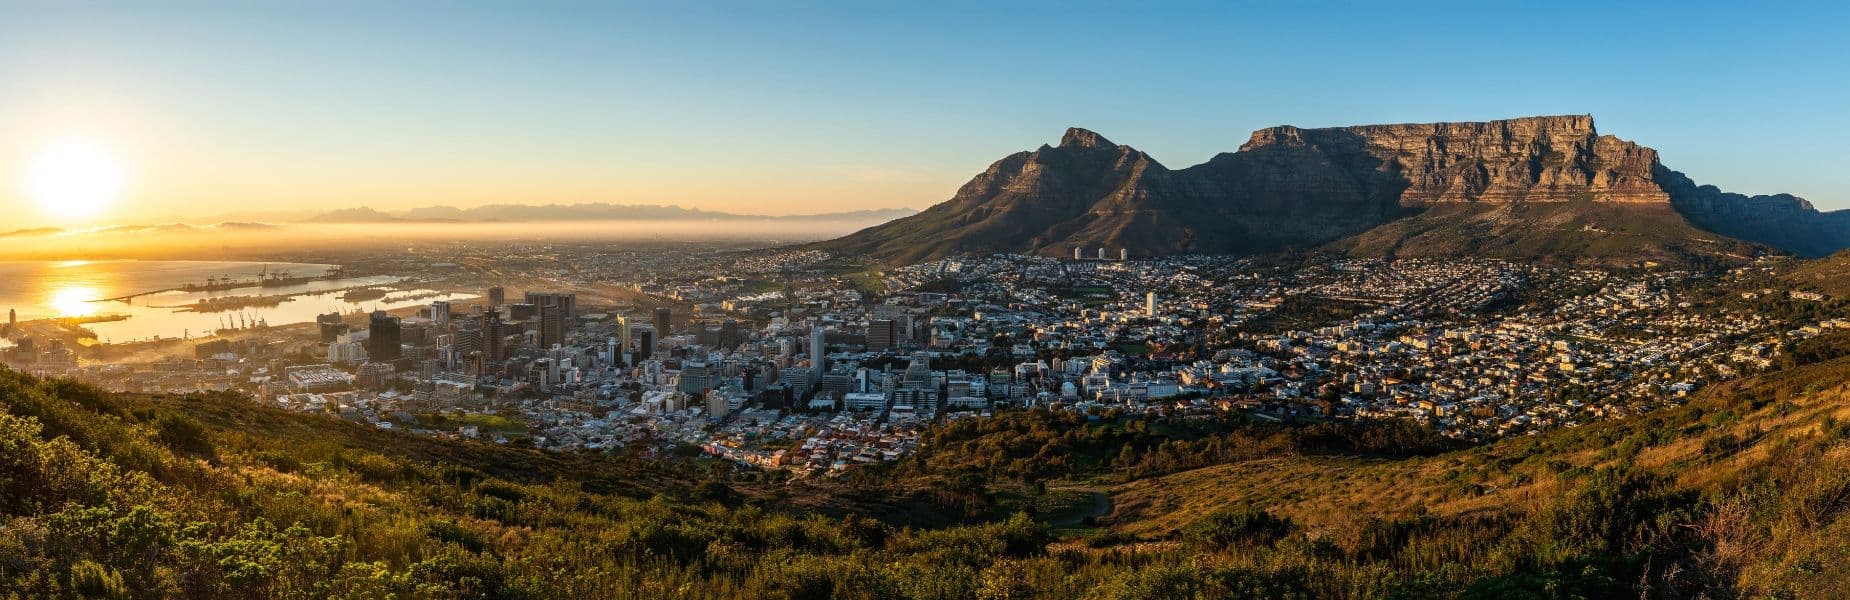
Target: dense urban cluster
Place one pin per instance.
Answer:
(796, 360)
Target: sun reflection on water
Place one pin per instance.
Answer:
(74, 301)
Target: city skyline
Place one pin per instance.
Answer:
(211, 110)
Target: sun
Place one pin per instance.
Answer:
(74, 178)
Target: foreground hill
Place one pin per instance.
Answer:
(1299, 188)
(1744, 492)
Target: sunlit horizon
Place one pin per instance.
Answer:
(263, 112)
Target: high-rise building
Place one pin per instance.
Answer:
(882, 334)
(440, 313)
(623, 337)
(331, 327)
(663, 328)
(383, 337)
(1149, 304)
(645, 342)
(729, 337)
(696, 377)
(568, 302)
(496, 297)
(493, 338)
(918, 372)
(552, 325)
(469, 338)
(818, 347)
(818, 353)
(522, 311)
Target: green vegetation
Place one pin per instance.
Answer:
(484, 422)
(1743, 492)
(1298, 313)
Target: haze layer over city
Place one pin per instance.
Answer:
(967, 300)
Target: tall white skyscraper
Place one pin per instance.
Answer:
(817, 341)
(1149, 304)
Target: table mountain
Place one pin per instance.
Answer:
(1526, 187)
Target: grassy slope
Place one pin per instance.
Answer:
(1595, 232)
(1830, 274)
(1759, 447)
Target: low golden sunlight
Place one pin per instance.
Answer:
(74, 301)
(74, 178)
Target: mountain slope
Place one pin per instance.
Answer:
(1289, 187)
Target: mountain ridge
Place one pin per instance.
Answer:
(1289, 187)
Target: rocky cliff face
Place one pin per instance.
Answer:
(1532, 159)
(1292, 187)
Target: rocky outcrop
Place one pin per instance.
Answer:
(1533, 159)
(1291, 187)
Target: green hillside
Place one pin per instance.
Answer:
(1743, 492)
(1572, 231)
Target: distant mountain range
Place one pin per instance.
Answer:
(171, 227)
(581, 212)
(1533, 187)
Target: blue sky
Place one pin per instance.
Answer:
(795, 107)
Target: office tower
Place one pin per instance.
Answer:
(818, 353)
(1149, 304)
(623, 335)
(817, 347)
(440, 313)
(496, 297)
(662, 327)
(645, 342)
(567, 302)
(1124, 254)
(1076, 252)
(696, 377)
(1101, 253)
(492, 337)
(918, 372)
(382, 337)
(522, 312)
(552, 325)
(704, 334)
(331, 327)
(882, 334)
(729, 334)
(469, 338)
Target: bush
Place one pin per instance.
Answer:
(1239, 525)
(182, 432)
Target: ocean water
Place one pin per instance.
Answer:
(54, 289)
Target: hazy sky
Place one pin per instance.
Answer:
(797, 107)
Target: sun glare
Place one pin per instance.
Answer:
(74, 301)
(74, 178)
